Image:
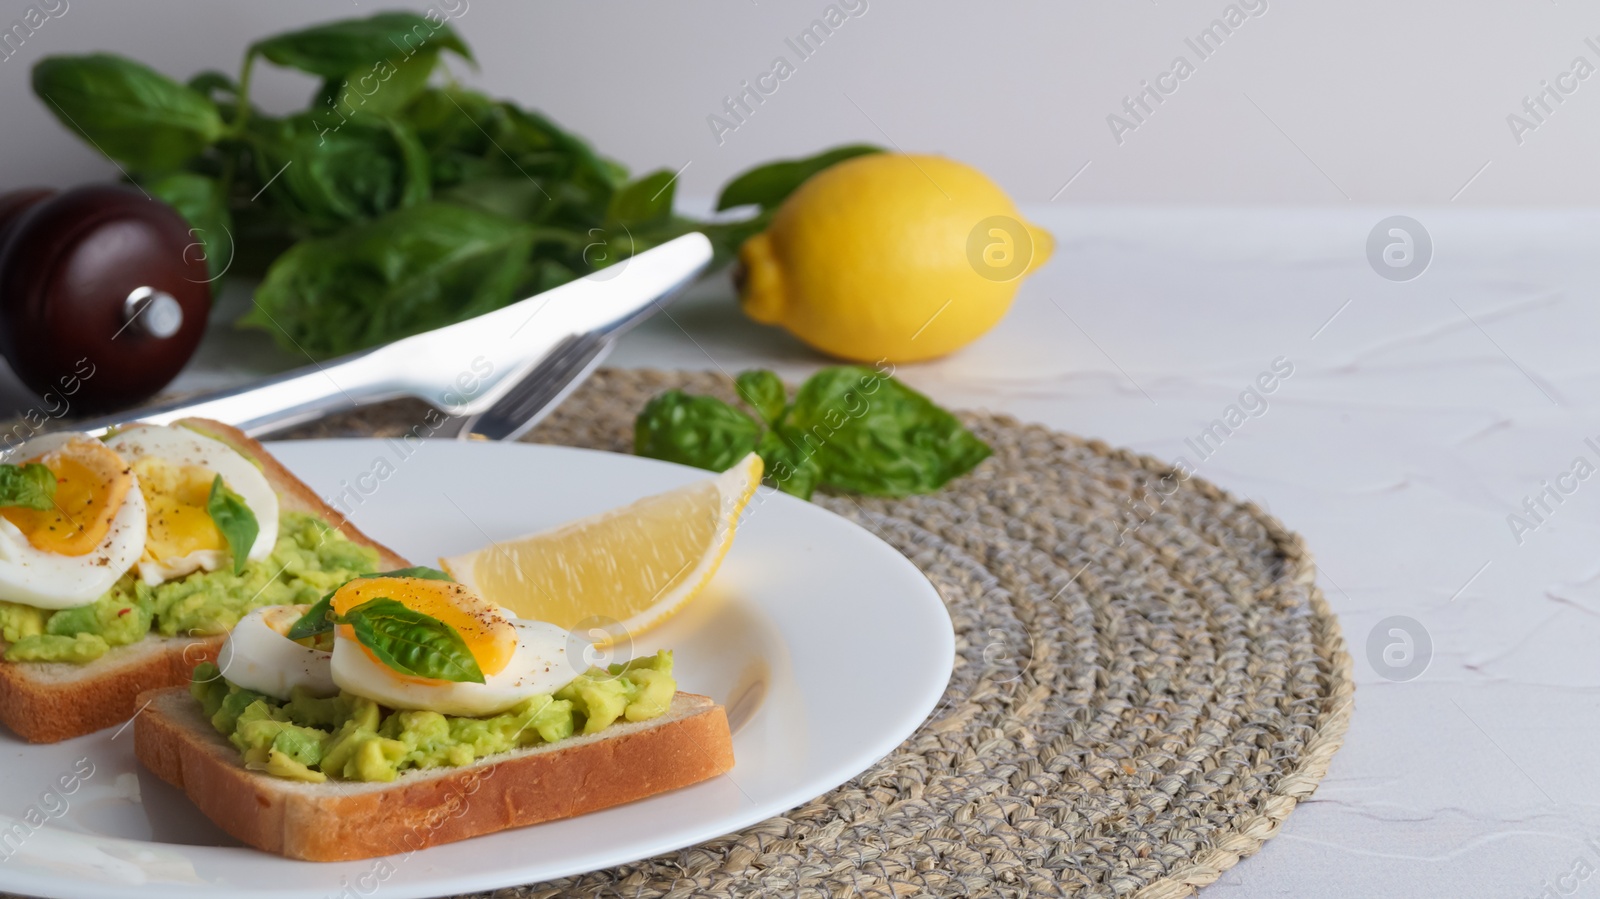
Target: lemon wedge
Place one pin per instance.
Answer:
(635, 565)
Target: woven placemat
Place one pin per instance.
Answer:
(1144, 686)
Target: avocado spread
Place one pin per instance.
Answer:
(310, 559)
(351, 738)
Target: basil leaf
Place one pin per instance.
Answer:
(418, 571)
(200, 201)
(28, 486)
(455, 126)
(234, 519)
(727, 237)
(645, 201)
(322, 173)
(211, 82)
(702, 431)
(411, 642)
(874, 435)
(513, 162)
(131, 112)
(319, 618)
(515, 197)
(764, 391)
(789, 465)
(472, 138)
(337, 49)
(769, 185)
(412, 270)
(539, 142)
(383, 90)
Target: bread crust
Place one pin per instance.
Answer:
(46, 702)
(341, 821)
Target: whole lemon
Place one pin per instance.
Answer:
(890, 257)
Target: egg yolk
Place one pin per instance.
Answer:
(175, 508)
(91, 484)
(489, 636)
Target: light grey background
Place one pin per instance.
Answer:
(1377, 101)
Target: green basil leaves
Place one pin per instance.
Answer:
(29, 486)
(338, 49)
(413, 269)
(235, 520)
(411, 642)
(849, 427)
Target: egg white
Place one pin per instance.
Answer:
(539, 665)
(181, 446)
(54, 581)
(257, 656)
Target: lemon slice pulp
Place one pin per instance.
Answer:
(634, 566)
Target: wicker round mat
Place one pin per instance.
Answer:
(1144, 686)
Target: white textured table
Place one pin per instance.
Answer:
(1419, 416)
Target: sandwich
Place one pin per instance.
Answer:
(124, 561)
(401, 711)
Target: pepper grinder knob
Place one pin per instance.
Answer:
(154, 312)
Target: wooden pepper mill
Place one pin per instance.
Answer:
(101, 288)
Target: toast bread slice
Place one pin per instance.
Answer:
(46, 702)
(344, 820)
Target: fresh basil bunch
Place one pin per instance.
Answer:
(849, 427)
(390, 206)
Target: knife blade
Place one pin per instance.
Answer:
(462, 369)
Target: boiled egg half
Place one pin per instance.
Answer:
(518, 658)
(259, 656)
(71, 554)
(175, 468)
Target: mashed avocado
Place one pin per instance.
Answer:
(18, 621)
(350, 738)
(310, 559)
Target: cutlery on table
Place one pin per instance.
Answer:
(498, 372)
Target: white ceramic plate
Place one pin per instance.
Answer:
(807, 610)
